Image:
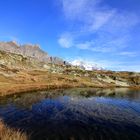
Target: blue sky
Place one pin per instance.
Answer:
(105, 32)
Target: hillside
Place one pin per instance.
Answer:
(29, 50)
(22, 73)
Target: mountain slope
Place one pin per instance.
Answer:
(29, 50)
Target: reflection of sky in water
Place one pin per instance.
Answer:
(68, 115)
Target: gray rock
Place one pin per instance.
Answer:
(29, 50)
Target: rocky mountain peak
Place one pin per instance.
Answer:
(36, 46)
(29, 50)
(13, 43)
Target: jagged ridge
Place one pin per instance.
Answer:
(29, 50)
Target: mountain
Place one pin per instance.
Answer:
(29, 50)
(27, 68)
(86, 65)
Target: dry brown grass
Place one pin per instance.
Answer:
(11, 134)
(27, 81)
(34, 80)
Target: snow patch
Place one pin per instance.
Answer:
(87, 65)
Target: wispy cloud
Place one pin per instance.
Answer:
(104, 45)
(110, 26)
(98, 27)
(130, 54)
(66, 40)
(94, 15)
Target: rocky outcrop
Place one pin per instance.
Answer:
(12, 47)
(34, 51)
(29, 50)
(19, 61)
(105, 77)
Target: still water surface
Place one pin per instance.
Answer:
(75, 114)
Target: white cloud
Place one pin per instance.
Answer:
(97, 27)
(100, 19)
(85, 46)
(103, 46)
(65, 41)
(130, 54)
(94, 15)
(109, 25)
(88, 12)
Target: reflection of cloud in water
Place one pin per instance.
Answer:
(73, 114)
(96, 108)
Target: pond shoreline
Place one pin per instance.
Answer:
(24, 88)
(38, 80)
